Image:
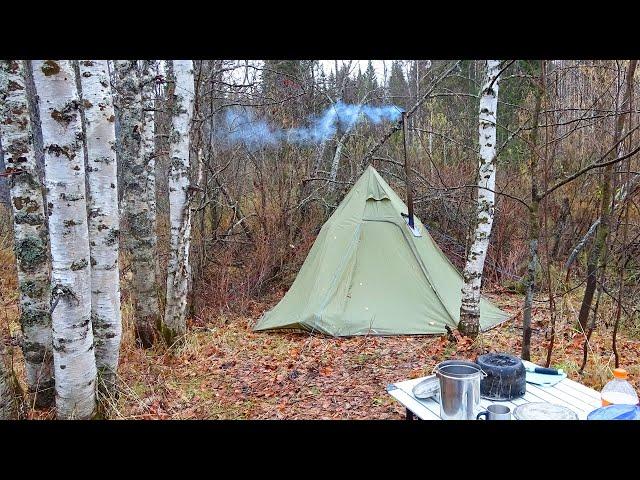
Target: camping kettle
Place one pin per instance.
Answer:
(459, 389)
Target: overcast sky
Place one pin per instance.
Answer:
(329, 66)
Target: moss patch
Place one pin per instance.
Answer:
(34, 219)
(31, 252)
(33, 288)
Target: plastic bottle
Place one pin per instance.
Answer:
(618, 391)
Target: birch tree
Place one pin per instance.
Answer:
(73, 350)
(30, 232)
(180, 72)
(147, 146)
(139, 200)
(335, 163)
(103, 218)
(472, 274)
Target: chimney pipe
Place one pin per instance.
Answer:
(407, 170)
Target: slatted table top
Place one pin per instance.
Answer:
(579, 398)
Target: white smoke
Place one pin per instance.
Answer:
(242, 126)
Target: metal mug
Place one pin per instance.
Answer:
(496, 411)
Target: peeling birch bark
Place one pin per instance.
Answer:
(104, 224)
(472, 274)
(139, 199)
(181, 72)
(30, 232)
(73, 350)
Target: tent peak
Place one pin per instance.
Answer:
(371, 168)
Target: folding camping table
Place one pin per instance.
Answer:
(579, 398)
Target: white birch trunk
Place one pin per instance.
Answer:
(148, 158)
(103, 218)
(73, 351)
(147, 146)
(30, 232)
(472, 275)
(139, 199)
(179, 211)
(335, 163)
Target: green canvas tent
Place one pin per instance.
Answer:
(368, 273)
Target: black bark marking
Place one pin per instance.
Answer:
(79, 265)
(49, 67)
(14, 86)
(57, 150)
(67, 114)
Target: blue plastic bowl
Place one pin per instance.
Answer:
(616, 412)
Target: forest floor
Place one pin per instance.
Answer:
(226, 371)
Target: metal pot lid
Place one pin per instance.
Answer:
(544, 411)
(426, 388)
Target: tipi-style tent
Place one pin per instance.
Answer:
(368, 273)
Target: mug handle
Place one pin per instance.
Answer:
(481, 414)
